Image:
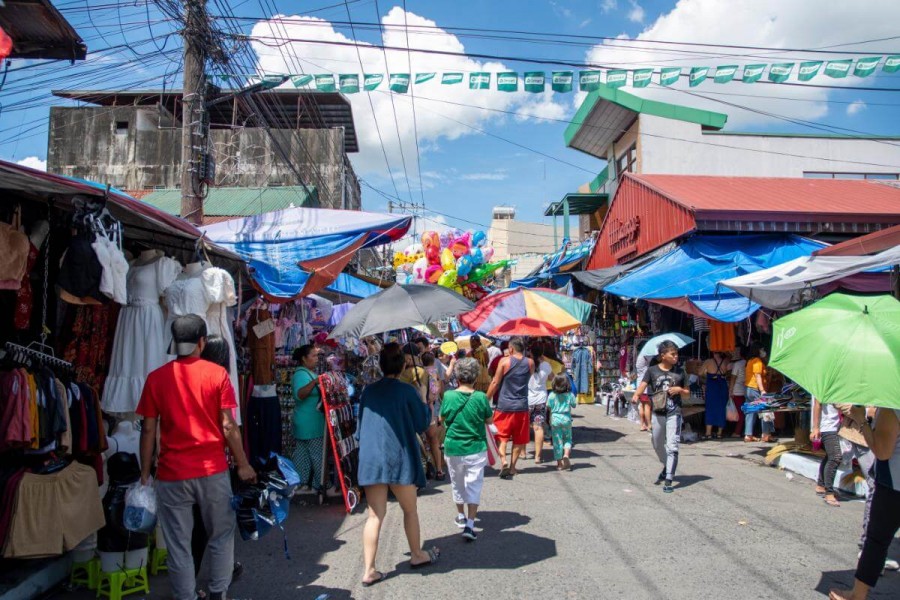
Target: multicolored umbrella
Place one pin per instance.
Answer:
(526, 327)
(554, 308)
(843, 349)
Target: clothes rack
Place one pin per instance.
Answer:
(31, 351)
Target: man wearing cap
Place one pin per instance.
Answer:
(189, 401)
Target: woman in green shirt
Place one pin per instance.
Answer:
(465, 413)
(308, 418)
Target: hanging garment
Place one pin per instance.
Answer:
(14, 247)
(721, 337)
(716, 399)
(25, 297)
(263, 424)
(114, 274)
(140, 340)
(81, 272)
(15, 410)
(262, 349)
(582, 369)
(86, 339)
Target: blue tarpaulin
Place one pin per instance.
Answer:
(348, 285)
(554, 266)
(690, 274)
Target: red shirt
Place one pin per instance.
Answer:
(188, 395)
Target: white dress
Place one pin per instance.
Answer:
(140, 344)
(208, 293)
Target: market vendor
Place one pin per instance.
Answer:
(308, 418)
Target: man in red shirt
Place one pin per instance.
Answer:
(190, 401)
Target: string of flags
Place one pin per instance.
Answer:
(589, 80)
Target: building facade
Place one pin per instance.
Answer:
(526, 243)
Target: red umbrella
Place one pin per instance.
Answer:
(526, 326)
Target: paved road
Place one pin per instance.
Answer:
(732, 529)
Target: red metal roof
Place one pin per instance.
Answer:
(866, 244)
(778, 198)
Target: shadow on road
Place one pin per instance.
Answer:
(888, 585)
(684, 481)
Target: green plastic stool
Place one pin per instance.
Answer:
(85, 573)
(123, 582)
(158, 558)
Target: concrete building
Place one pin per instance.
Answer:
(132, 141)
(527, 243)
(641, 136)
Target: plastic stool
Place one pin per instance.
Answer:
(85, 573)
(121, 583)
(158, 558)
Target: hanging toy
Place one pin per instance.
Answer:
(431, 238)
(433, 273)
(479, 239)
(448, 262)
(433, 254)
(419, 268)
(477, 256)
(460, 246)
(448, 279)
(464, 265)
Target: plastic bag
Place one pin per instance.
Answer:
(767, 416)
(731, 412)
(140, 508)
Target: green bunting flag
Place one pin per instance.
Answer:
(349, 84)
(325, 83)
(562, 81)
(866, 66)
(423, 77)
(371, 82)
(616, 78)
(669, 75)
(399, 82)
(838, 69)
(534, 81)
(640, 78)
(779, 73)
(891, 64)
(725, 73)
(451, 78)
(480, 81)
(809, 69)
(271, 81)
(301, 80)
(508, 81)
(752, 73)
(698, 75)
(588, 81)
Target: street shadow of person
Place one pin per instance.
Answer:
(888, 584)
(683, 481)
(499, 538)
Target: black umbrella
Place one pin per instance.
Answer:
(401, 306)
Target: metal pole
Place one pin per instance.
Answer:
(566, 237)
(193, 137)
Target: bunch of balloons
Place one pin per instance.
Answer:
(454, 259)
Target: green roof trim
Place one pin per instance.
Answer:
(599, 180)
(237, 202)
(642, 106)
(579, 204)
(830, 136)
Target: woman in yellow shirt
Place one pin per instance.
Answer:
(756, 387)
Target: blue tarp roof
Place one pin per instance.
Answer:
(348, 285)
(567, 256)
(693, 271)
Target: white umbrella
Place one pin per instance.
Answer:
(650, 348)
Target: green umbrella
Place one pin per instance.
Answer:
(843, 349)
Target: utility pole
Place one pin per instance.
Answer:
(193, 128)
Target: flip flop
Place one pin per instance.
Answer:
(832, 502)
(567, 464)
(504, 473)
(381, 577)
(433, 555)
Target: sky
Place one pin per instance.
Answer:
(466, 151)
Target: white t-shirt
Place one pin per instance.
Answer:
(493, 352)
(537, 384)
(830, 421)
(739, 370)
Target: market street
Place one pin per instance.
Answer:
(732, 529)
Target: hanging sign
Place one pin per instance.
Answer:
(838, 69)
(349, 84)
(508, 81)
(779, 73)
(669, 75)
(534, 81)
(891, 64)
(399, 82)
(640, 78)
(725, 74)
(423, 77)
(301, 80)
(479, 81)
(866, 66)
(752, 73)
(325, 83)
(616, 78)
(698, 75)
(451, 78)
(562, 81)
(809, 69)
(588, 81)
(371, 82)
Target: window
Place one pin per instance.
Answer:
(627, 162)
(121, 127)
(824, 175)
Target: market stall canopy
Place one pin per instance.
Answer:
(559, 310)
(877, 241)
(347, 285)
(853, 360)
(526, 327)
(786, 286)
(556, 266)
(687, 278)
(599, 278)
(141, 221)
(298, 251)
(399, 307)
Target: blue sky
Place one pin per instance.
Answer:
(464, 172)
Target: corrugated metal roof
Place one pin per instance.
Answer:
(780, 197)
(236, 202)
(866, 244)
(39, 31)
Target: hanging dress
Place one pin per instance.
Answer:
(140, 341)
(716, 397)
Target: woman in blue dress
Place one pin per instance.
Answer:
(391, 415)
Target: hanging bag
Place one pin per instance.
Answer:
(659, 401)
(731, 412)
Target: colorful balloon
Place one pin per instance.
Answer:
(419, 268)
(446, 238)
(488, 253)
(431, 238)
(433, 273)
(413, 249)
(477, 256)
(479, 239)
(448, 279)
(459, 247)
(448, 261)
(464, 265)
(433, 254)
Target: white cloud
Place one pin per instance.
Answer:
(607, 6)
(34, 162)
(497, 175)
(856, 107)
(561, 10)
(636, 14)
(766, 23)
(585, 23)
(437, 118)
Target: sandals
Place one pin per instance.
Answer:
(820, 491)
(381, 577)
(567, 464)
(750, 438)
(433, 555)
(504, 473)
(832, 501)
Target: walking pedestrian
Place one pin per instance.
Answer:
(537, 399)
(308, 419)
(755, 388)
(884, 520)
(665, 383)
(188, 403)
(714, 373)
(511, 416)
(739, 387)
(826, 420)
(644, 411)
(561, 402)
(466, 412)
(435, 432)
(391, 415)
(480, 354)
